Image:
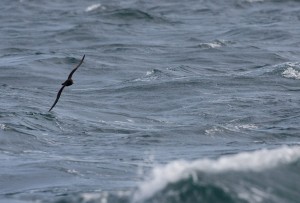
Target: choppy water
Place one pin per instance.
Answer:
(176, 101)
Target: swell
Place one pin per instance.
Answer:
(263, 176)
(127, 14)
(227, 179)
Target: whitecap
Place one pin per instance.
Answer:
(2, 126)
(240, 127)
(92, 7)
(215, 44)
(230, 127)
(94, 196)
(291, 73)
(211, 45)
(252, 1)
(256, 161)
(212, 130)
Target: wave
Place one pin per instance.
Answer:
(291, 71)
(169, 73)
(94, 7)
(125, 14)
(252, 1)
(265, 175)
(222, 180)
(215, 44)
(131, 14)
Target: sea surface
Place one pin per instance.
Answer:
(178, 101)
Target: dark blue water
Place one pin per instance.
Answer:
(176, 101)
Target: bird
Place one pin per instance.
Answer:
(67, 83)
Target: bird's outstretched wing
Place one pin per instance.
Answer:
(57, 97)
(73, 71)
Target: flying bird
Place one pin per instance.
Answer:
(68, 82)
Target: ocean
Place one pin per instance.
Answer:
(175, 102)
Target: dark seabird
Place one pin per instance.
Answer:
(68, 82)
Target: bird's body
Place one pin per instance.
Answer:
(67, 83)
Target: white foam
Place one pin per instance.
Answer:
(231, 127)
(259, 160)
(95, 196)
(150, 72)
(2, 126)
(291, 73)
(92, 7)
(251, 1)
(73, 171)
(214, 45)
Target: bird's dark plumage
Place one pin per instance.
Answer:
(57, 97)
(68, 82)
(73, 71)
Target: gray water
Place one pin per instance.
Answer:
(174, 102)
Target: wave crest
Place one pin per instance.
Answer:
(178, 171)
(290, 72)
